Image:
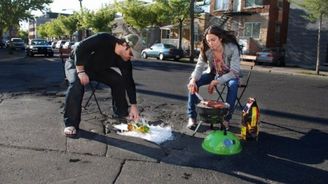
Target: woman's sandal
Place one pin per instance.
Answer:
(70, 131)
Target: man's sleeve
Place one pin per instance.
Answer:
(130, 85)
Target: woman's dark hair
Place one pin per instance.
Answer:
(224, 35)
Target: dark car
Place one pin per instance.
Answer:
(39, 46)
(2, 44)
(162, 51)
(274, 56)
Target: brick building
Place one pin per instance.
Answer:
(257, 24)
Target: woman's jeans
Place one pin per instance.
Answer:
(205, 79)
(75, 92)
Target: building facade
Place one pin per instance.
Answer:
(258, 24)
(34, 23)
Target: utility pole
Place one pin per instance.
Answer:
(192, 39)
(80, 31)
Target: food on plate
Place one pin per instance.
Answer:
(139, 127)
(213, 104)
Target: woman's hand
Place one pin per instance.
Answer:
(84, 78)
(212, 85)
(134, 113)
(192, 87)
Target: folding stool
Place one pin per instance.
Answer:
(93, 90)
(242, 85)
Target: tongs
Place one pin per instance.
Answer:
(199, 97)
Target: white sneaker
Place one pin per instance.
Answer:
(191, 122)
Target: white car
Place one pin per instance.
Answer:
(60, 43)
(68, 44)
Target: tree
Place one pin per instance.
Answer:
(317, 9)
(138, 14)
(14, 11)
(160, 13)
(42, 31)
(23, 35)
(54, 29)
(179, 12)
(101, 20)
(69, 24)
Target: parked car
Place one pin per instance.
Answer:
(7, 43)
(39, 46)
(275, 56)
(196, 52)
(60, 43)
(17, 43)
(68, 44)
(53, 44)
(2, 44)
(162, 51)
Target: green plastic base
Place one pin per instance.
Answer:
(222, 143)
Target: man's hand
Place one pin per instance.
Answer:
(84, 78)
(134, 113)
(192, 87)
(212, 85)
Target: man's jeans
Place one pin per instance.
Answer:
(205, 79)
(75, 92)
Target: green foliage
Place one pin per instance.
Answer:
(100, 21)
(42, 31)
(137, 14)
(159, 13)
(69, 24)
(180, 9)
(13, 11)
(54, 29)
(315, 8)
(23, 35)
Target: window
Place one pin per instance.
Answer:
(252, 29)
(165, 33)
(280, 3)
(221, 4)
(251, 3)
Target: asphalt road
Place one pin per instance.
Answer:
(292, 146)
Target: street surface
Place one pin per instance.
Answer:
(292, 146)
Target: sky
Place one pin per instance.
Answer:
(68, 6)
(74, 5)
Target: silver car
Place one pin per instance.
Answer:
(162, 51)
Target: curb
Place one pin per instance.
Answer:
(292, 71)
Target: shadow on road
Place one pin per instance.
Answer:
(272, 158)
(293, 116)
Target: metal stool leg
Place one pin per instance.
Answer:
(197, 128)
(93, 90)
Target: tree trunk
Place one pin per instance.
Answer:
(180, 33)
(318, 47)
